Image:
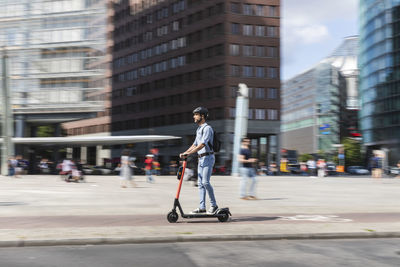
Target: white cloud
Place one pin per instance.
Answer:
(305, 21)
(320, 10)
(311, 24)
(305, 34)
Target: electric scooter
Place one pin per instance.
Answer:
(222, 214)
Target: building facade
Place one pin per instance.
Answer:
(319, 106)
(380, 76)
(53, 47)
(171, 56)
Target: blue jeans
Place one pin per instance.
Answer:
(11, 171)
(205, 168)
(246, 174)
(149, 176)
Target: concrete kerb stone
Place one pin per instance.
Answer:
(203, 238)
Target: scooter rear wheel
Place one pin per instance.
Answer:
(224, 217)
(172, 217)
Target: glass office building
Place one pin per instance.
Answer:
(319, 106)
(379, 85)
(53, 49)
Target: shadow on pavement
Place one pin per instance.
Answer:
(254, 219)
(234, 219)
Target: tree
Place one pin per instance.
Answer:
(45, 131)
(305, 157)
(352, 152)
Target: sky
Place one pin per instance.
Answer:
(312, 29)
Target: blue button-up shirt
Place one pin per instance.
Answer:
(204, 135)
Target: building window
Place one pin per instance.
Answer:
(272, 31)
(232, 112)
(260, 30)
(234, 50)
(248, 30)
(272, 93)
(260, 10)
(248, 71)
(272, 51)
(260, 72)
(272, 73)
(260, 93)
(251, 92)
(182, 42)
(273, 11)
(235, 28)
(272, 114)
(175, 25)
(235, 70)
(233, 91)
(248, 9)
(260, 51)
(260, 114)
(251, 112)
(235, 8)
(248, 50)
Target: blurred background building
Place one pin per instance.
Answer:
(54, 50)
(319, 106)
(379, 63)
(109, 67)
(170, 56)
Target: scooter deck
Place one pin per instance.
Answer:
(204, 214)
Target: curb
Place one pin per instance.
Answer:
(204, 238)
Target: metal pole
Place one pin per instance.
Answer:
(242, 114)
(7, 125)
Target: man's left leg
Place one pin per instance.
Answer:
(206, 173)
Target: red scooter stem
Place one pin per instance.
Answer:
(181, 179)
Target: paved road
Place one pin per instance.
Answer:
(33, 222)
(44, 208)
(282, 253)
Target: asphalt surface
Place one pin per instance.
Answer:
(40, 210)
(276, 253)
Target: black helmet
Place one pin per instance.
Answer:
(201, 111)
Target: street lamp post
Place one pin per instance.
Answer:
(242, 114)
(7, 120)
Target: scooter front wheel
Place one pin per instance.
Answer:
(172, 217)
(224, 217)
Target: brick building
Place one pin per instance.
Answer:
(170, 56)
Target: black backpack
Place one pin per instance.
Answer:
(216, 146)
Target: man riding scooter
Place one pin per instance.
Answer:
(201, 146)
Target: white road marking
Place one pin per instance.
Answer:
(315, 218)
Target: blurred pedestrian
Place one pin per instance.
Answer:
(303, 168)
(247, 171)
(21, 164)
(12, 164)
(272, 169)
(312, 167)
(126, 170)
(191, 169)
(262, 169)
(321, 165)
(156, 167)
(376, 166)
(173, 167)
(149, 168)
(66, 169)
(44, 166)
(398, 167)
(284, 166)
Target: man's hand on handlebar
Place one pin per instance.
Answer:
(183, 155)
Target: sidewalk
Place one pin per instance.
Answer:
(43, 210)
